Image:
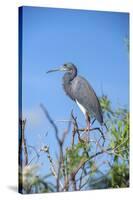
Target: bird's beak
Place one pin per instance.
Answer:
(53, 70)
(56, 69)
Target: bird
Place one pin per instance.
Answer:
(80, 91)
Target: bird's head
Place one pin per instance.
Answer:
(67, 67)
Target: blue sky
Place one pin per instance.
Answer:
(92, 40)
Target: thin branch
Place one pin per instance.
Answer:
(60, 143)
(98, 129)
(75, 129)
(51, 121)
(83, 161)
(36, 156)
(73, 182)
(46, 149)
(81, 177)
(121, 144)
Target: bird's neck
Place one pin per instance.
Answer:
(69, 76)
(67, 82)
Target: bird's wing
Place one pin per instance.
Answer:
(85, 95)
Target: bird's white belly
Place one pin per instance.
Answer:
(81, 107)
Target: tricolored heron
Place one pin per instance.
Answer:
(80, 91)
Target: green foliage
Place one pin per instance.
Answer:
(81, 161)
(119, 176)
(117, 122)
(75, 155)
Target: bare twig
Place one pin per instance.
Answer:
(36, 156)
(98, 129)
(46, 149)
(60, 143)
(73, 182)
(51, 121)
(81, 178)
(75, 129)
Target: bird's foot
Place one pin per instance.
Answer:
(85, 135)
(87, 129)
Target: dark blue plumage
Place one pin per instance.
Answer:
(80, 91)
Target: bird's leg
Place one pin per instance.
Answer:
(85, 135)
(87, 122)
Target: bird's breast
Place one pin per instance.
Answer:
(68, 89)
